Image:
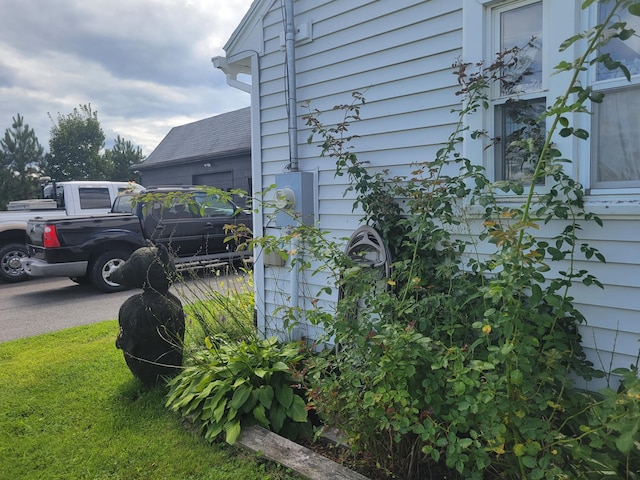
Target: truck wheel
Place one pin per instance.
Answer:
(10, 267)
(102, 267)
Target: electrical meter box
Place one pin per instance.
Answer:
(293, 199)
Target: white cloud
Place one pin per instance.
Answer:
(143, 65)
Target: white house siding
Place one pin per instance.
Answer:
(399, 55)
(611, 332)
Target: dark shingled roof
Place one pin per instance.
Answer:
(227, 134)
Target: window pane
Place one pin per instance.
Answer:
(616, 140)
(627, 52)
(522, 28)
(180, 210)
(94, 198)
(123, 204)
(215, 207)
(522, 136)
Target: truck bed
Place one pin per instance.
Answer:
(79, 234)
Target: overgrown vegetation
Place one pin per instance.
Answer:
(467, 359)
(225, 311)
(464, 358)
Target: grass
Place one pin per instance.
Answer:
(71, 409)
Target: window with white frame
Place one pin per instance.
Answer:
(615, 131)
(519, 98)
(609, 162)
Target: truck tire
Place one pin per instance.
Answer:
(11, 270)
(102, 267)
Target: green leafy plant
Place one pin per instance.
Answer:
(232, 385)
(466, 360)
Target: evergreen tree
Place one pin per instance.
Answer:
(121, 157)
(21, 156)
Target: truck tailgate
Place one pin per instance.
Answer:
(73, 231)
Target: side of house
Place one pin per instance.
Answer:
(400, 55)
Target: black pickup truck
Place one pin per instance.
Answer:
(192, 222)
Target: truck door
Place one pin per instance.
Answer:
(217, 213)
(176, 226)
(194, 228)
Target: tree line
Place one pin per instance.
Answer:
(76, 152)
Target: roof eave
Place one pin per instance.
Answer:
(198, 158)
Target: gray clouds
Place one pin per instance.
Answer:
(143, 65)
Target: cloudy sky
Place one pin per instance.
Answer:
(143, 65)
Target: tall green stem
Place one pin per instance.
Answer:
(577, 69)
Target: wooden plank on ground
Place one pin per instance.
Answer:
(304, 461)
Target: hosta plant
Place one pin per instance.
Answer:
(232, 385)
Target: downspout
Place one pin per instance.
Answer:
(292, 101)
(292, 117)
(231, 68)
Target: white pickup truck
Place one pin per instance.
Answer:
(59, 199)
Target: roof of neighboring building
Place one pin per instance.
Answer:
(225, 134)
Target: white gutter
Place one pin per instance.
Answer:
(232, 72)
(232, 67)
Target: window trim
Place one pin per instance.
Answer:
(496, 40)
(588, 149)
(553, 85)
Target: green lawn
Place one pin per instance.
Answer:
(70, 409)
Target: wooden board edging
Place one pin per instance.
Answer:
(290, 454)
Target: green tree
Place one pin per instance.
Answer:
(75, 146)
(121, 157)
(21, 156)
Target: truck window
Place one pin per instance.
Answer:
(47, 192)
(218, 209)
(122, 204)
(60, 196)
(94, 198)
(162, 211)
(214, 206)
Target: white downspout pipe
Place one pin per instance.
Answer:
(232, 71)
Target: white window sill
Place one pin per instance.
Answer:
(610, 206)
(614, 206)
